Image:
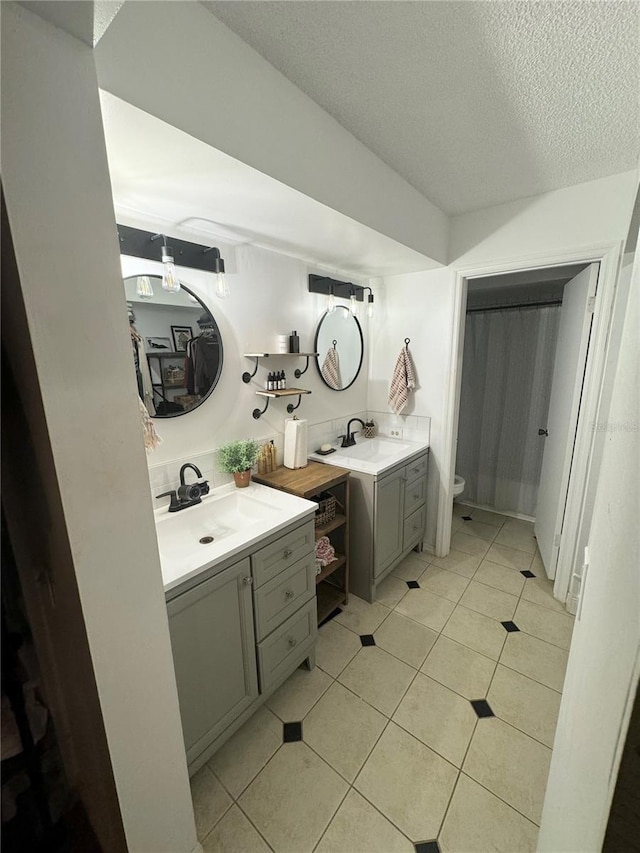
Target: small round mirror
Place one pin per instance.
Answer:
(177, 347)
(340, 346)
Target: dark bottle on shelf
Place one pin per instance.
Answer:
(294, 342)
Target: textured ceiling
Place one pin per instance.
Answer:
(473, 103)
(87, 20)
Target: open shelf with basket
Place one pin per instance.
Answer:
(329, 487)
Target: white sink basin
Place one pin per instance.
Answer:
(376, 449)
(372, 455)
(227, 521)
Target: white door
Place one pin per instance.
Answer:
(564, 406)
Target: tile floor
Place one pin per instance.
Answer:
(427, 724)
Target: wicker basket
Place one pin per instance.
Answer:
(326, 511)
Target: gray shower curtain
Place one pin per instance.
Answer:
(506, 385)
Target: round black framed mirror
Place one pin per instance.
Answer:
(177, 346)
(340, 345)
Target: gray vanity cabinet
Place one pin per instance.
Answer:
(388, 519)
(213, 645)
(239, 633)
(388, 527)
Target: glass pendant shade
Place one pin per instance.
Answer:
(370, 306)
(353, 305)
(222, 288)
(143, 287)
(331, 303)
(170, 280)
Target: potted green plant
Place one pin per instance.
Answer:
(237, 458)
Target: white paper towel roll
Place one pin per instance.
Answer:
(295, 443)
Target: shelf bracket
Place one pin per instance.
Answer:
(298, 373)
(247, 377)
(291, 408)
(258, 413)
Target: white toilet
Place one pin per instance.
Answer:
(458, 486)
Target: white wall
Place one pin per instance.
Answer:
(581, 215)
(418, 306)
(269, 296)
(604, 661)
(520, 232)
(219, 90)
(57, 192)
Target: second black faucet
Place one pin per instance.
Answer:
(348, 440)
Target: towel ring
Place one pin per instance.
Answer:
(407, 341)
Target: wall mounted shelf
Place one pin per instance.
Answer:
(247, 377)
(286, 392)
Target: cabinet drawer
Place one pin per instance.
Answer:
(414, 495)
(414, 527)
(284, 552)
(278, 599)
(282, 649)
(415, 469)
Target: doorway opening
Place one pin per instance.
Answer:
(601, 265)
(511, 333)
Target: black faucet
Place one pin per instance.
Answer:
(348, 440)
(187, 495)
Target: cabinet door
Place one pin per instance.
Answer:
(214, 655)
(389, 518)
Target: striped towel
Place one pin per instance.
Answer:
(331, 369)
(402, 382)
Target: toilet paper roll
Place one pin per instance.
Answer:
(295, 443)
(282, 343)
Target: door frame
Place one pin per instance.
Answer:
(609, 256)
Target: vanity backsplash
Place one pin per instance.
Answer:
(165, 475)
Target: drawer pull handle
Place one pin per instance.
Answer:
(292, 641)
(288, 593)
(247, 581)
(416, 470)
(416, 497)
(288, 552)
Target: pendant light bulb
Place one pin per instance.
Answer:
(170, 280)
(331, 302)
(143, 287)
(353, 305)
(370, 305)
(222, 288)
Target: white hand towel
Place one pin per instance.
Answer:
(402, 382)
(331, 369)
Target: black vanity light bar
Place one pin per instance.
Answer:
(341, 289)
(145, 244)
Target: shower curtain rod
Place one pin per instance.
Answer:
(513, 307)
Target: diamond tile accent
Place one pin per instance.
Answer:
(291, 732)
(510, 626)
(427, 847)
(528, 574)
(413, 584)
(482, 708)
(367, 640)
(466, 518)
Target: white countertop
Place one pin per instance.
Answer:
(372, 455)
(235, 518)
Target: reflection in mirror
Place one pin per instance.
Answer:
(177, 347)
(340, 346)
